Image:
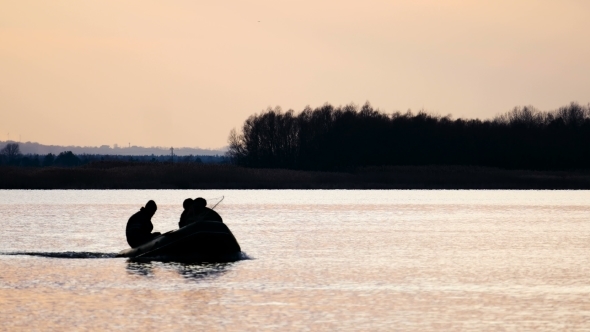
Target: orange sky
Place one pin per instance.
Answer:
(184, 73)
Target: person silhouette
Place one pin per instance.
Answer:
(184, 216)
(139, 227)
(199, 212)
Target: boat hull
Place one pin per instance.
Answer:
(203, 241)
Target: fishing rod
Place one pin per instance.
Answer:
(214, 206)
(214, 199)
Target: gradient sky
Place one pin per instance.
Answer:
(184, 73)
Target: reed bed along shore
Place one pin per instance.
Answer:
(115, 175)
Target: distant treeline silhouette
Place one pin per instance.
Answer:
(10, 155)
(331, 138)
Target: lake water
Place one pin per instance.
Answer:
(319, 261)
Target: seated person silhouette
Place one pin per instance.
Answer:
(139, 227)
(184, 216)
(198, 212)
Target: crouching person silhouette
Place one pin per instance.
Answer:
(139, 227)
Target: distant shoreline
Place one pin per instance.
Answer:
(108, 175)
(115, 150)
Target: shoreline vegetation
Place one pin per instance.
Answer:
(133, 175)
(344, 148)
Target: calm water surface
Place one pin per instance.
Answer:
(320, 260)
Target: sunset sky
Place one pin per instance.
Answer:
(184, 73)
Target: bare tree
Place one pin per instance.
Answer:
(11, 151)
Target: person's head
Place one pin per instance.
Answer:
(199, 203)
(151, 207)
(187, 203)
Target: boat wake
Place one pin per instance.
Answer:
(81, 254)
(244, 256)
(65, 254)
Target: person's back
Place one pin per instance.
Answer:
(139, 227)
(198, 212)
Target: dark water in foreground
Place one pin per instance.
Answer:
(320, 260)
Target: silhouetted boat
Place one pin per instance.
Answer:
(203, 241)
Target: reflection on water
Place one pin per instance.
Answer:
(140, 269)
(198, 272)
(324, 261)
(195, 272)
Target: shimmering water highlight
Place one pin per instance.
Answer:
(321, 260)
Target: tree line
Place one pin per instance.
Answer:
(10, 155)
(330, 138)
